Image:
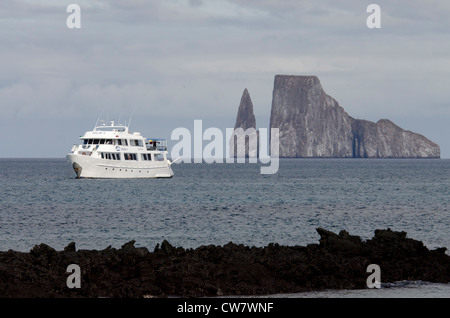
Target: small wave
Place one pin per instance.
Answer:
(405, 283)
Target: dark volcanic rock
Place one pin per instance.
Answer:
(245, 139)
(312, 124)
(344, 242)
(339, 261)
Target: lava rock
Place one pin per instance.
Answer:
(339, 261)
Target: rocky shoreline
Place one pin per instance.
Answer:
(339, 261)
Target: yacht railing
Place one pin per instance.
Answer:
(156, 144)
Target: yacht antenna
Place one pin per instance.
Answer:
(100, 116)
(129, 122)
(96, 123)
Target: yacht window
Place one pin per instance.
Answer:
(109, 141)
(136, 142)
(102, 141)
(90, 141)
(130, 156)
(119, 142)
(146, 157)
(112, 156)
(85, 142)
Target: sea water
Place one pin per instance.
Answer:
(41, 201)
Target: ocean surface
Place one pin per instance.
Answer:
(41, 201)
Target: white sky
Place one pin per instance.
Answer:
(175, 61)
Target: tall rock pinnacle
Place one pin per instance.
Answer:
(244, 141)
(245, 116)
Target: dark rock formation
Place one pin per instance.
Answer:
(384, 139)
(339, 262)
(312, 124)
(245, 139)
(245, 116)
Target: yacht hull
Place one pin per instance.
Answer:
(86, 166)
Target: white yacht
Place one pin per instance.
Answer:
(111, 151)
